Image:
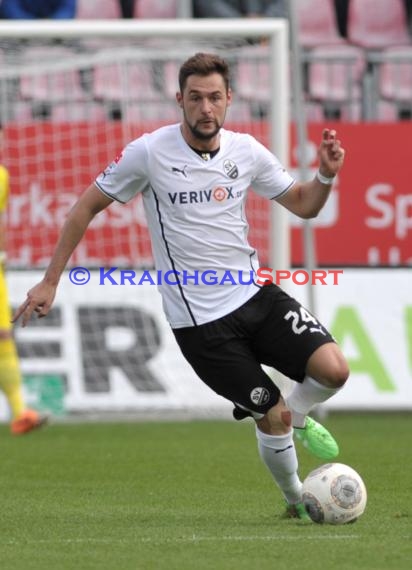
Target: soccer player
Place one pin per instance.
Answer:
(24, 420)
(194, 178)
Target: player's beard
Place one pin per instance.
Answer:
(200, 135)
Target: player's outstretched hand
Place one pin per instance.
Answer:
(39, 300)
(331, 154)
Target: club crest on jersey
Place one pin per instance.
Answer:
(230, 169)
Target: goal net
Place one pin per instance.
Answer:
(72, 95)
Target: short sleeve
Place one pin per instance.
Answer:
(126, 176)
(270, 179)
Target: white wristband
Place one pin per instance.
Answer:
(3, 256)
(324, 179)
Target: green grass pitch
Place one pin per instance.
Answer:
(193, 496)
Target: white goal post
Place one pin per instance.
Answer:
(112, 349)
(184, 33)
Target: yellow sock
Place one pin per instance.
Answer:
(10, 376)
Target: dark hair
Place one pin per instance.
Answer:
(203, 64)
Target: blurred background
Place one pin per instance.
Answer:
(72, 95)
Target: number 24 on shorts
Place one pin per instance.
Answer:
(299, 320)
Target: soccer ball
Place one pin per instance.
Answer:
(334, 493)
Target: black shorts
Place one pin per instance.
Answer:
(272, 328)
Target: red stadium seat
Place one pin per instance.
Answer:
(155, 9)
(335, 72)
(385, 112)
(395, 74)
(393, 87)
(98, 9)
(50, 85)
(22, 112)
(377, 24)
(334, 77)
(152, 111)
(318, 113)
(127, 81)
(317, 23)
(252, 76)
(89, 111)
(253, 80)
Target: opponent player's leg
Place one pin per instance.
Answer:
(23, 419)
(10, 379)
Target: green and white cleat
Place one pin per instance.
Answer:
(297, 511)
(317, 440)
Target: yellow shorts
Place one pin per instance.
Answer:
(5, 311)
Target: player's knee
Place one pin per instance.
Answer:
(329, 366)
(337, 370)
(339, 374)
(334, 375)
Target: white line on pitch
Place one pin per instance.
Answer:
(195, 538)
(183, 539)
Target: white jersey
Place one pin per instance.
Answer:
(196, 216)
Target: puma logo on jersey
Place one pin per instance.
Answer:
(180, 171)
